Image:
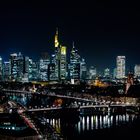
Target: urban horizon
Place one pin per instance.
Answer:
(72, 65)
(36, 56)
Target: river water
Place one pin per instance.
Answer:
(94, 126)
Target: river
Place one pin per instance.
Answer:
(92, 126)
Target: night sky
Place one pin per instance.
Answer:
(100, 30)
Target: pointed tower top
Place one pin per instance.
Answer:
(73, 45)
(56, 42)
(56, 30)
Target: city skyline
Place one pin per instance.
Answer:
(57, 68)
(100, 33)
(56, 41)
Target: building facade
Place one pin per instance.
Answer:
(44, 67)
(83, 70)
(92, 73)
(6, 71)
(13, 67)
(107, 72)
(137, 71)
(63, 63)
(74, 64)
(120, 67)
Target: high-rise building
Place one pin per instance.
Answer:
(83, 69)
(25, 77)
(19, 66)
(6, 71)
(74, 64)
(34, 71)
(56, 58)
(137, 70)
(56, 42)
(13, 66)
(59, 60)
(92, 72)
(120, 67)
(1, 69)
(52, 68)
(63, 63)
(30, 69)
(107, 72)
(114, 73)
(51, 72)
(43, 67)
(26, 65)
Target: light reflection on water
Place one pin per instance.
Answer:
(87, 123)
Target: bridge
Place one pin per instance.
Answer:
(102, 108)
(81, 107)
(28, 93)
(79, 101)
(71, 97)
(16, 92)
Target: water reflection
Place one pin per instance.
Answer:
(88, 123)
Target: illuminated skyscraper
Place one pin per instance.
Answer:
(56, 42)
(120, 67)
(74, 64)
(26, 65)
(20, 66)
(56, 59)
(137, 70)
(6, 71)
(107, 72)
(30, 70)
(63, 63)
(83, 70)
(13, 66)
(34, 71)
(59, 60)
(114, 73)
(92, 72)
(51, 68)
(43, 67)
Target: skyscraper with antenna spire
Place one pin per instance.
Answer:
(74, 63)
(60, 59)
(57, 55)
(56, 42)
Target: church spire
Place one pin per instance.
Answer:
(56, 42)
